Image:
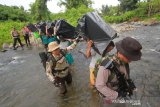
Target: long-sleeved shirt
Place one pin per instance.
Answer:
(60, 64)
(105, 87)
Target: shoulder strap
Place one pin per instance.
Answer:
(63, 52)
(108, 64)
(128, 70)
(51, 57)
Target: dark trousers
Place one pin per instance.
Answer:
(26, 38)
(62, 83)
(15, 42)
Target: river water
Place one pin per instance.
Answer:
(23, 82)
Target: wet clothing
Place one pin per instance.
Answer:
(59, 68)
(105, 87)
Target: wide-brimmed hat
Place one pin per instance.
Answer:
(53, 46)
(130, 48)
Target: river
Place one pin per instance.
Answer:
(23, 82)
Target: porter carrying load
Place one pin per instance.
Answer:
(32, 28)
(95, 28)
(65, 30)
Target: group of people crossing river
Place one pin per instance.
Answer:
(109, 71)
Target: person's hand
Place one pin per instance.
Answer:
(46, 26)
(90, 43)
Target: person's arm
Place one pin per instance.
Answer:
(101, 80)
(72, 46)
(47, 31)
(88, 51)
(49, 65)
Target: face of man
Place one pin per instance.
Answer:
(123, 58)
(56, 52)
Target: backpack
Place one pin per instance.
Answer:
(48, 56)
(111, 65)
(101, 62)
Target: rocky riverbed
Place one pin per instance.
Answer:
(23, 82)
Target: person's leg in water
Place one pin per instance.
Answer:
(68, 78)
(14, 43)
(62, 87)
(92, 77)
(28, 40)
(25, 38)
(19, 40)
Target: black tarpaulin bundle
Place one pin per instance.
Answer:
(93, 27)
(42, 27)
(65, 30)
(32, 28)
(51, 26)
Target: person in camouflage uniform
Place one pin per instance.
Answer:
(107, 80)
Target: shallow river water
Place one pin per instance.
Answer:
(23, 82)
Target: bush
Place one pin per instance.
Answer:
(118, 19)
(157, 16)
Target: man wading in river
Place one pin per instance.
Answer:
(16, 38)
(57, 66)
(113, 80)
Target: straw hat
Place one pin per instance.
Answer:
(53, 46)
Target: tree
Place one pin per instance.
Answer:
(127, 5)
(39, 10)
(75, 3)
(105, 10)
(13, 13)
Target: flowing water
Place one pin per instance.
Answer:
(23, 82)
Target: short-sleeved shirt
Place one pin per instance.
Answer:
(15, 34)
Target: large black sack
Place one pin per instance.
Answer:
(32, 28)
(65, 30)
(51, 26)
(93, 27)
(42, 27)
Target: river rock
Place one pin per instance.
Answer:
(10, 45)
(5, 46)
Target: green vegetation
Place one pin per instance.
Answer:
(128, 10)
(5, 30)
(72, 15)
(39, 10)
(13, 13)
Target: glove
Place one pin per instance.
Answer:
(56, 82)
(131, 84)
(122, 94)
